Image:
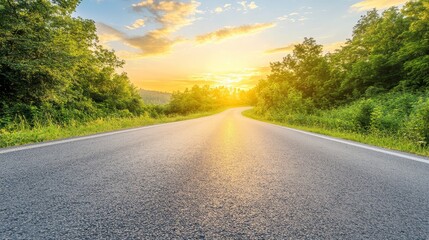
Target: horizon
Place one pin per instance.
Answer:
(173, 45)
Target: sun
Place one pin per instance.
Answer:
(228, 82)
(230, 79)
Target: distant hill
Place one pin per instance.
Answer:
(155, 97)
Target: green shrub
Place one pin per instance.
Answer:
(363, 115)
(417, 127)
(376, 119)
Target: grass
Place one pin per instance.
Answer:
(26, 135)
(376, 139)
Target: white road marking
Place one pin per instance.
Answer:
(39, 145)
(375, 149)
(396, 154)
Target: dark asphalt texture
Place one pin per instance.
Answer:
(218, 177)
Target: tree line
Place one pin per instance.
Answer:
(53, 68)
(377, 81)
(206, 98)
(387, 52)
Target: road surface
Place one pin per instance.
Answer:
(223, 176)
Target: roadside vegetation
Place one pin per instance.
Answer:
(202, 99)
(23, 132)
(155, 97)
(58, 81)
(373, 89)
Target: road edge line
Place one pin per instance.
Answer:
(75, 139)
(360, 145)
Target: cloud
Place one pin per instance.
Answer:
(294, 17)
(380, 4)
(230, 32)
(252, 5)
(150, 44)
(137, 24)
(107, 33)
(243, 3)
(288, 48)
(225, 7)
(283, 18)
(172, 15)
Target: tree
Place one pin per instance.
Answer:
(367, 61)
(415, 52)
(205, 98)
(298, 83)
(51, 62)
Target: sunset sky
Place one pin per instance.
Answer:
(171, 45)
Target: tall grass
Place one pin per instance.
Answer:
(20, 131)
(398, 121)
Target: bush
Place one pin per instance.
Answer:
(417, 127)
(363, 115)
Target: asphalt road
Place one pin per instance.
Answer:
(223, 176)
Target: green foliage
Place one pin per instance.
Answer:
(387, 51)
(22, 132)
(55, 74)
(201, 99)
(415, 51)
(334, 127)
(400, 116)
(417, 127)
(53, 69)
(375, 85)
(155, 97)
(364, 115)
(294, 83)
